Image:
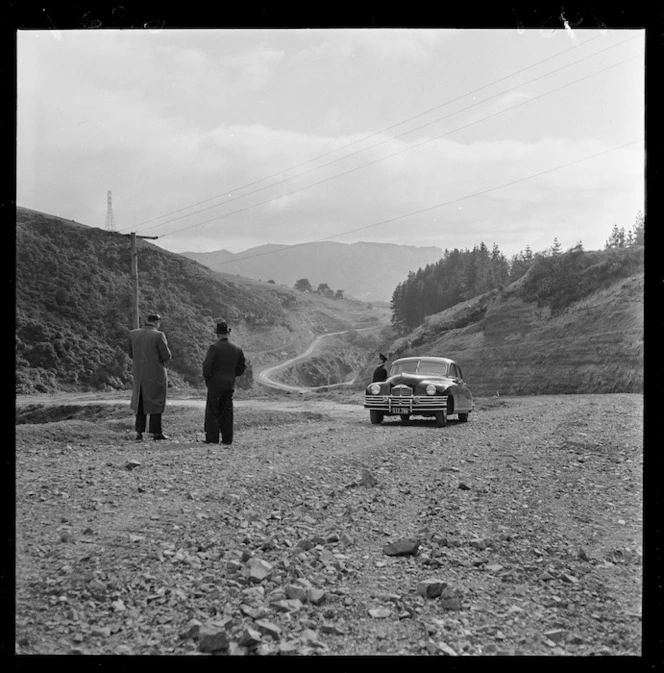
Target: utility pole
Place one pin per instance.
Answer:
(134, 275)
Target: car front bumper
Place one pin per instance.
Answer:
(397, 405)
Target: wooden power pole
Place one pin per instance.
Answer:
(134, 275)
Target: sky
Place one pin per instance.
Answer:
(233, 138)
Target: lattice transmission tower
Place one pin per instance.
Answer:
(110, 220)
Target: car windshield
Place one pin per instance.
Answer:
(436, 368)
(419, 367)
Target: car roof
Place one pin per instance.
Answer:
(427, 358)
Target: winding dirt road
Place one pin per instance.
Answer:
(265, 377)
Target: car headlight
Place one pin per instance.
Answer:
(374, 389)
(431, 389)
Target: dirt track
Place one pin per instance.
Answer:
(530, 512)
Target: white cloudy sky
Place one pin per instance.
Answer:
(353, 129)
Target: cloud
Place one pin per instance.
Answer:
(253, 67)
(384, 44)
(174, 121)
(393, 191)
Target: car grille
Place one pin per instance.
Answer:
(402, 391)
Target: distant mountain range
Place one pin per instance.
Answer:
(366, 271)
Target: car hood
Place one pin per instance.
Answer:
(415, 379)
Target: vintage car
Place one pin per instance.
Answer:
(420, 386)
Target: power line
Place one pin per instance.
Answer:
(439, 205)
(383, 131)
(406, 149)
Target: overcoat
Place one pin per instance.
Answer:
(149, 351)
(380, 374)
(223, 362)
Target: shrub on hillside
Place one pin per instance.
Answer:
(560, 280)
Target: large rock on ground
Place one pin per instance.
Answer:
(431, 588)
(403, 547)
(212, 638)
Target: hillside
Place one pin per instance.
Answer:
(73, 309)
(572, 324)
(366, 271)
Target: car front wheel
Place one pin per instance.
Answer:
(463, 418)
(376, 416)
(441, 419)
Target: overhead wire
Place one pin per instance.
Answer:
(359, 140)
(434, 207)
(401, 151)
(378, 133)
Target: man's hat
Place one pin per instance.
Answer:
(222, 327)
(382, 357)
(153, 317)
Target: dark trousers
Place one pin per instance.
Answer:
(141, 417)
(219, 417)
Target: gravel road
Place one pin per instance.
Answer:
(524, 529)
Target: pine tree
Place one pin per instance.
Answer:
(639, 229)
(617, 238)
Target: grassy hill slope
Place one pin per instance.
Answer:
(570, 325)
(74, 297)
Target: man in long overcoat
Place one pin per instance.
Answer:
(149, 352)
(223, 362)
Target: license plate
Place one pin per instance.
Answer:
(400, 410)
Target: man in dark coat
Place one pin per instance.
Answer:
(149, 352)
(223, 362)
(380, 373)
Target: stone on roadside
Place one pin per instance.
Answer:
(380, 613)
(250, 638)
(250, 611)
(451, 598)
(257, 570)
(402, 547)
(212, 638)
(276, 595)
(329, 559)
(480, 543)
(289, 647)
(267, 628)
(431, 588)
(294, 591)
(493, 567)
(310, 637)
(463, 486)
(446, 649)
(131, 464)
(315, 596)
(368, 479)
(190, 630)
(555, 635)
(346, 539)
(332, 629)
(287, 605)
